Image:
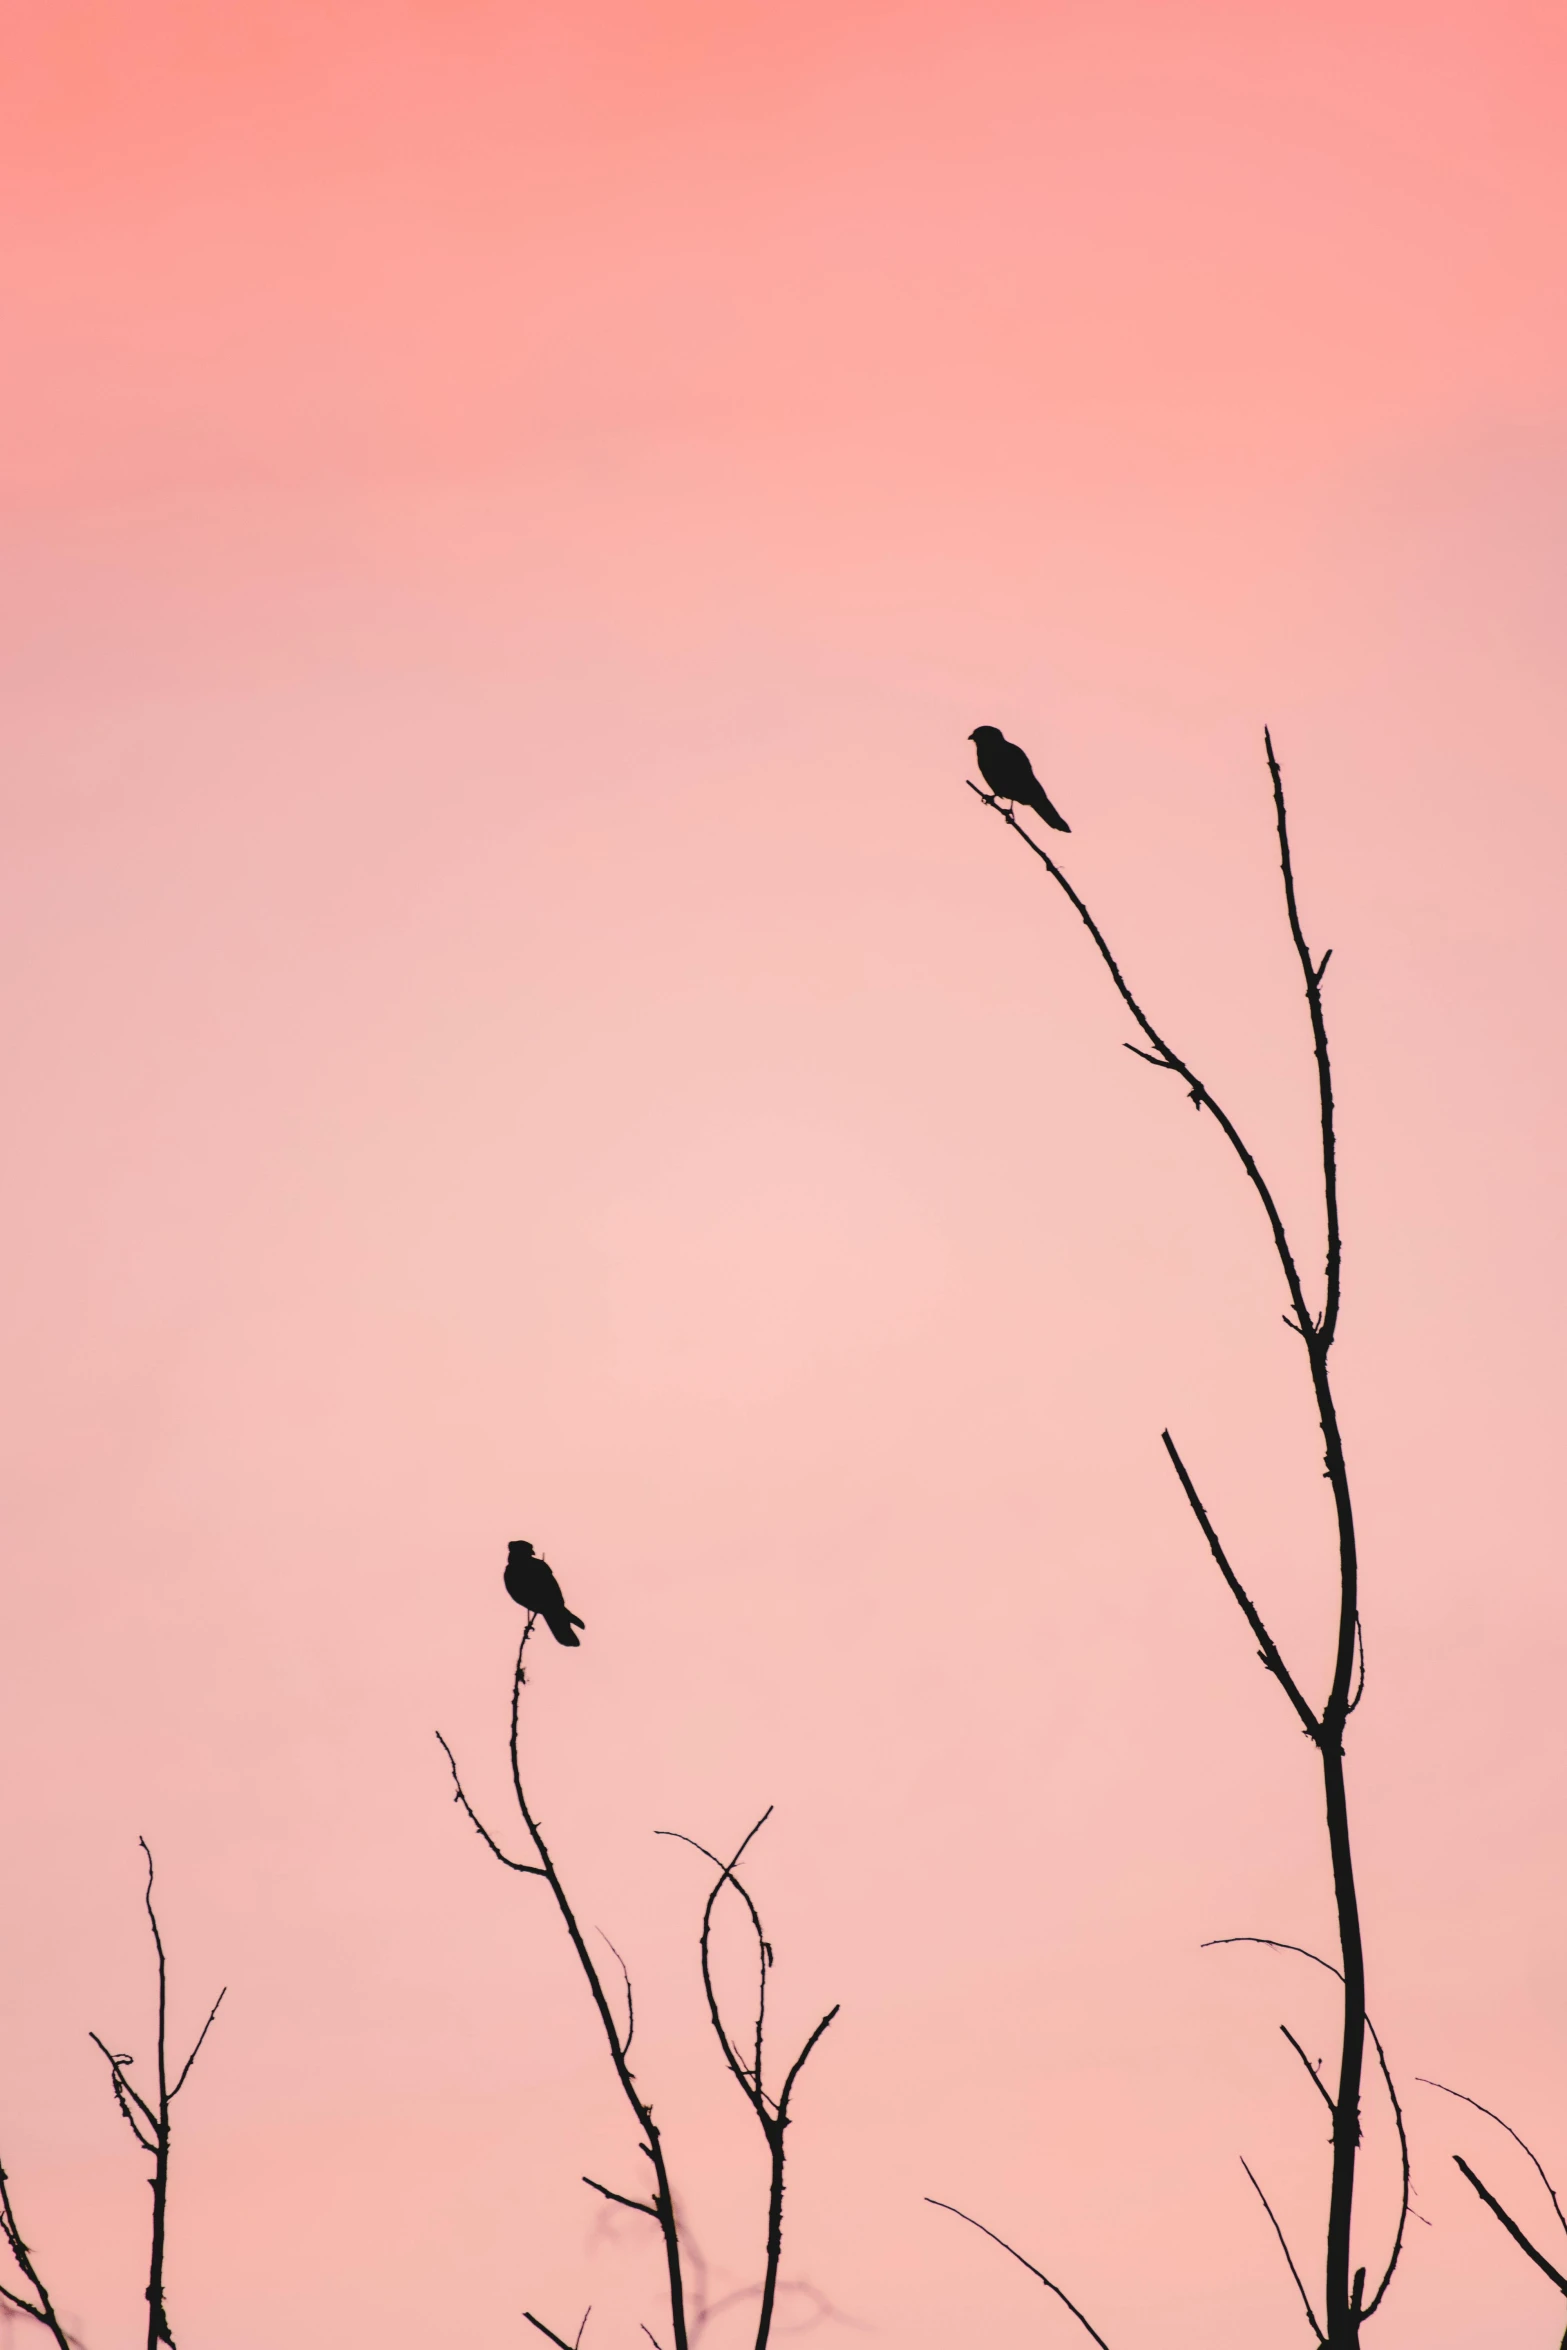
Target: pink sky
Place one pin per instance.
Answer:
(514, 1026)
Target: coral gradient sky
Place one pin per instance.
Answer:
(513, 1026)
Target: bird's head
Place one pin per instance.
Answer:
(518, 1550)
(987, 734)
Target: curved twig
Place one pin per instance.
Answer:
(524, 1868)
(1523, 2143)
(748, 2076)
(631, 2005)
(772, 2113)
(1049, 2283)
(1360, 1666)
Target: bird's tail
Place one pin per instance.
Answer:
(560, 1621)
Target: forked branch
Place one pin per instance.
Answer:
(771, 2110)
(150, 2120)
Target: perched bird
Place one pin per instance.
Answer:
(1009, 775)
(531, 1582)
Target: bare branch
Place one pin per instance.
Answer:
(42, 2311)
(125, 2096)
(610, 2196)
(1319, 1040)
(524, 1868)
(200, 2037)
(1048, 2282)
(1169, 1058)
(798, 2065)
(550, 2333)
(1512, 2227)
(1271, 1658)
(1305, 2298)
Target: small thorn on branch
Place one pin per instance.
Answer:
(1322, 966)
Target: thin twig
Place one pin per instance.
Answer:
(1267, 1646)
(1305, 2298)
(1049, 2283)
(1360, 1666)
(200, 2037)
(1312, 2074)
(631, 2005)
(524, 1868)
(610, 2196)
(1319, 1039)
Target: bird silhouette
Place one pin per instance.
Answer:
(1009, 775)
(531, 1582)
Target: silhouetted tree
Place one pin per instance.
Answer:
(1345, 2304)
(151, 2121)
(745, 2059)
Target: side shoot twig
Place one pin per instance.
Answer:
(771, 2111)
(661, 2206)
(151, 2122)
(1344, 2311)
